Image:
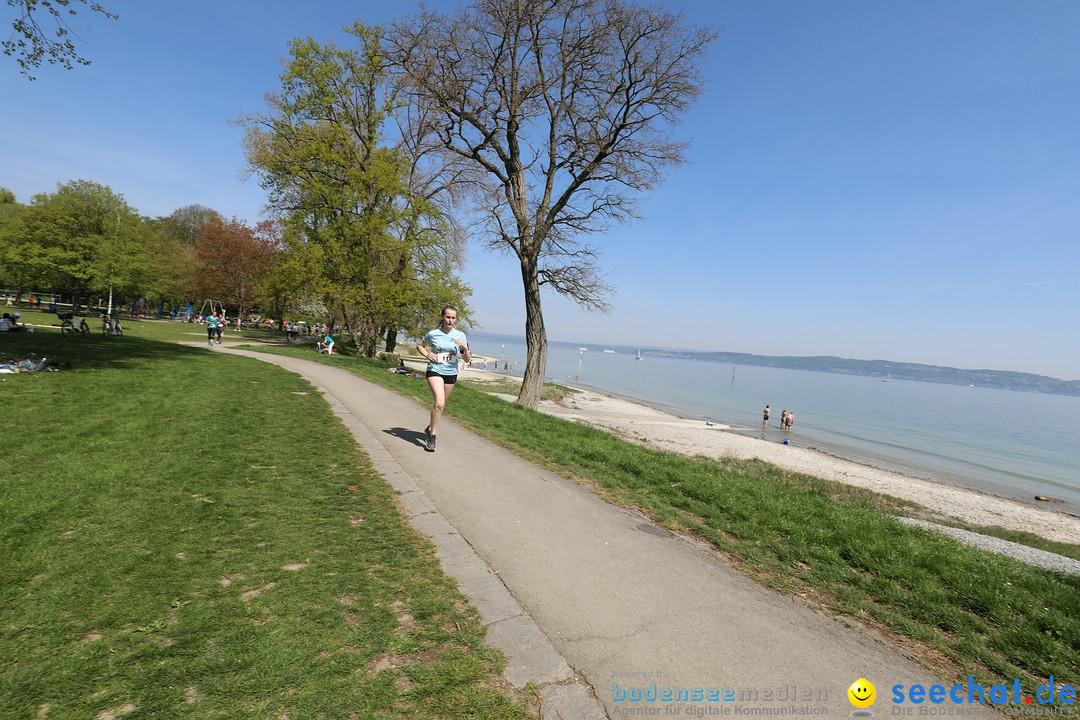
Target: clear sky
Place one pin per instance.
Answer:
(877, 180)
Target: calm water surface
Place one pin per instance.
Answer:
(1008, 443)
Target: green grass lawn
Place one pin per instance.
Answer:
(959, 608)
(189, 534)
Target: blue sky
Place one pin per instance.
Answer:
(876, 180)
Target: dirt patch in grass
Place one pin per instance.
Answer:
(258, 591)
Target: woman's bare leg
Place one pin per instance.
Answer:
(439, 391)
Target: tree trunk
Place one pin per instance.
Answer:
(367, 334)
(348, 325)
(535, 338)
(371, 342)
(391, 339)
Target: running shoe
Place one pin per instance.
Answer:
(430, 444)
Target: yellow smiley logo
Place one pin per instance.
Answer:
(862, 693)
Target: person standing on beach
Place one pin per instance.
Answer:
(783, 419)
(442, 347)
(765, 417)
(790, 420)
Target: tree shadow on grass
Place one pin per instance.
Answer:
(93, 352)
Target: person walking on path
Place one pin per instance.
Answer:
(211, 327)
(221, 326)
(765, 417)
(442, 347)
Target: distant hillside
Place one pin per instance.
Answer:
(1004, 379)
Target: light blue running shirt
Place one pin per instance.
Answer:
(445, 350)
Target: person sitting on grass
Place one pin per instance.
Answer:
(8, 323)
(327, 345)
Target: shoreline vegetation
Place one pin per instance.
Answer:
(1001, 379)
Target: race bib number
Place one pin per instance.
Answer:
(445, 358)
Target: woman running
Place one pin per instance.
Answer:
(442, 347)
(211, 327)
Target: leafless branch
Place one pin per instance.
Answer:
(559, 114)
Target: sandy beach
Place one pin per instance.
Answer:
(657, 429)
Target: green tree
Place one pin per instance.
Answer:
(184, 224)
(425, 273)
(342, 193)
(434, 241)
(173, 272)
(120, 264)
(283, 288)
(31, 43)
(84, 238)
(172, 266)
(558, 113)
(15, 268)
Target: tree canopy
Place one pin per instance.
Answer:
(234, 260)
(558, 114)
(184, 224)
(84, 237)
(354, 232)
(85, 240)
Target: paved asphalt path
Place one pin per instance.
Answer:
(627, 604)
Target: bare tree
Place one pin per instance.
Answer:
(31, 43)
(560, 112)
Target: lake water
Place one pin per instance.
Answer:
(1013, 444)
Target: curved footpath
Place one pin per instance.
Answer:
(592, 603)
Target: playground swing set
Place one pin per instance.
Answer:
(209, 306)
